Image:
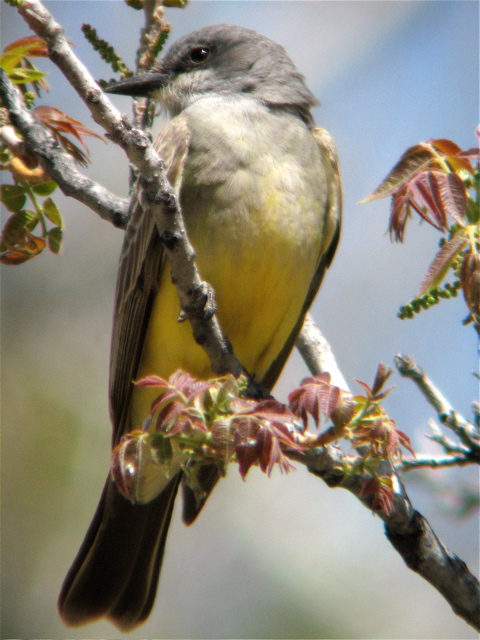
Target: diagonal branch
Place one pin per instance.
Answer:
(163, 204)
(407, 530)
(317, 353)
(409, 533)
(467, 451)
(60, 165)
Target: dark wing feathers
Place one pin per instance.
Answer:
(138, 279)
(115, 573)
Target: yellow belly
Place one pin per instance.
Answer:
(259, 294)
(259, 247)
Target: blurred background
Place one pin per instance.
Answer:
(283, 557)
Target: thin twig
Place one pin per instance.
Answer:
(432, 462)
(408, 368)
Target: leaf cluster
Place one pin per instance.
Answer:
(18, 242)
(29, 230)
(15, 61)
(212, 422)
(363, 422)
(436, 180)
(209, 422)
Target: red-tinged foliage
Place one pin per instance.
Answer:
(15, 62)
(471, 154)
(374, 392)
(213, 422)
(470, 281)
(382, 490)
(428, 179)
(259, 434)
(414, 160)
(18, 244)
(443, 261)
(59, 123)
(315, 396)
(29, 46)
(174, 394)
(434, 196)
(382, 437)
(381, 376)
(258, 442)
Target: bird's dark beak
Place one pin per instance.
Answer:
(138, 86)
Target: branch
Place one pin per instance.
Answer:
(406, 529)
(196, 296)
(433, 462)
(468, 451)
(409, 533)
(317, 353)
(38, 141)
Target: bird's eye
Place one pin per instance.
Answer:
(199, 54)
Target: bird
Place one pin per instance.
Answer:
(260, 192)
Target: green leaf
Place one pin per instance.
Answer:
(44, 188)
(15, 226)
(52, 213)
(54, 239)
(22, 76)
(12, 196)
(32, 219)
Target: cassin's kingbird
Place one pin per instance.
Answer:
(260, 193)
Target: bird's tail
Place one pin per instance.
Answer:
(115, 573)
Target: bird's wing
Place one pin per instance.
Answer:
(138, 280)
(331, 235)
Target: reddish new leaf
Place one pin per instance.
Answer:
(382, 490)
(58, 121)
(247, 456)
(445, 146)
(315, 395)
(471, 154)
(381, 376)
(454, 196)
(400, 212)
(31, 46)
(470, 281)
(413, 160)
(343, 412)
(442, 262)
(425, 197)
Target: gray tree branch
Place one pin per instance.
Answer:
(39, 142)
(193, 292)
(409, 533)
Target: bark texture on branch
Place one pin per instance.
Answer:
(39, 142)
